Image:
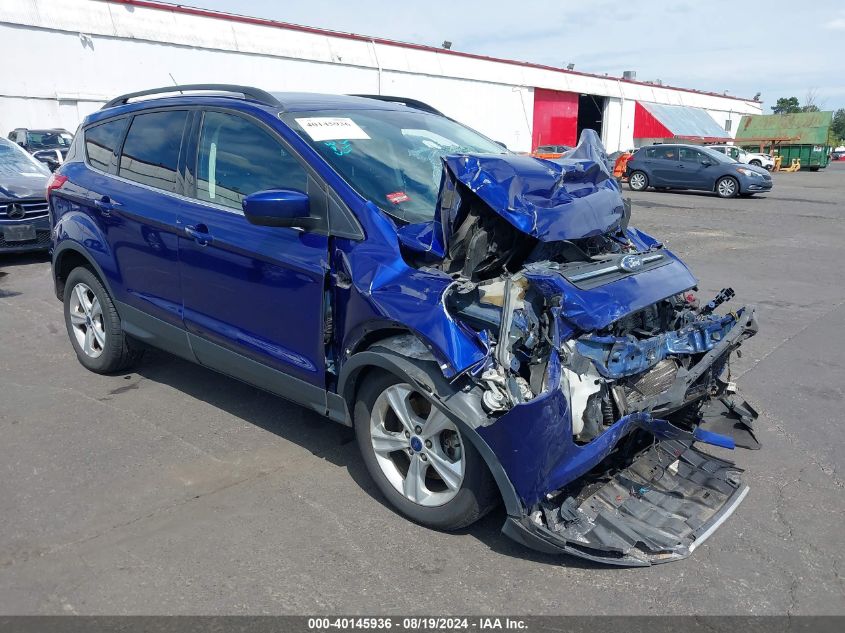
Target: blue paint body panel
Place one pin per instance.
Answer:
(547, 200)
(616, 356)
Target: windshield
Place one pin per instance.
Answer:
(718, 157)
(14, 161)
(390, 157)
(48, 139)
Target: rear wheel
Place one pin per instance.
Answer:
(638, 181)
(727, 187)
(93, 325)
(418, 458)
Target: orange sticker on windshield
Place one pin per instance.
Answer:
(398, 197)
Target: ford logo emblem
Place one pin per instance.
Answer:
(631, 263)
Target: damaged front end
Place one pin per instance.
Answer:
(600, 370)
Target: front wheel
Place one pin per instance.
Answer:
(638, 181)
(727, 187)
(756, 163)
(418, 458)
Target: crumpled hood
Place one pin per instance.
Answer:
(567, 199)
(547, 200)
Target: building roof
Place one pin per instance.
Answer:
(805, 128)
(188, 10)
(681, 122)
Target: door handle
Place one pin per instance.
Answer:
(199, 233)
(105, 206)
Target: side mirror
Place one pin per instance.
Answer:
(279, 207)
(500, 143)
(706, 162)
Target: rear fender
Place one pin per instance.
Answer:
(76, 235)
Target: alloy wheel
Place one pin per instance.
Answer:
(727, 187)
(86, 317)
(416, 446)
(637, 181)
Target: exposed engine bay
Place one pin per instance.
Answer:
(632, 365)
(590, 319)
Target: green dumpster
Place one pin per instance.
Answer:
(812, 157)
(802, 135)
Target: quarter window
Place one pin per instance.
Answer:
(237, 157)
(101, 142)
(151, 150)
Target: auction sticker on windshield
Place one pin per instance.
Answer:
(325, 128)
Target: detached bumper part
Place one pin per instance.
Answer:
(659, 508)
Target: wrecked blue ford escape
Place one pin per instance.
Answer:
(489, 323)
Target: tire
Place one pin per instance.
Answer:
(93, 325)
(756, 163)
(434, 504)
(727, 187)
(638, 181)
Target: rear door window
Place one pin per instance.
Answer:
(151, 151)
(237, 157)
(667, 153)
(689, 155)
(101, 142)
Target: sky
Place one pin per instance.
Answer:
(779, 48)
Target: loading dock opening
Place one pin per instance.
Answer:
(591, 114)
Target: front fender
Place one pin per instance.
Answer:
(464, 410)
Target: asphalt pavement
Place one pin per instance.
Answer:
(174, 490)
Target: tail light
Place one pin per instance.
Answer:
(56, 181)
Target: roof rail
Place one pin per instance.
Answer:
(249, 93)
(411, 103)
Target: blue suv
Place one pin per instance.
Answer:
(489, 323)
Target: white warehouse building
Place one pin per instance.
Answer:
(62, 59)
